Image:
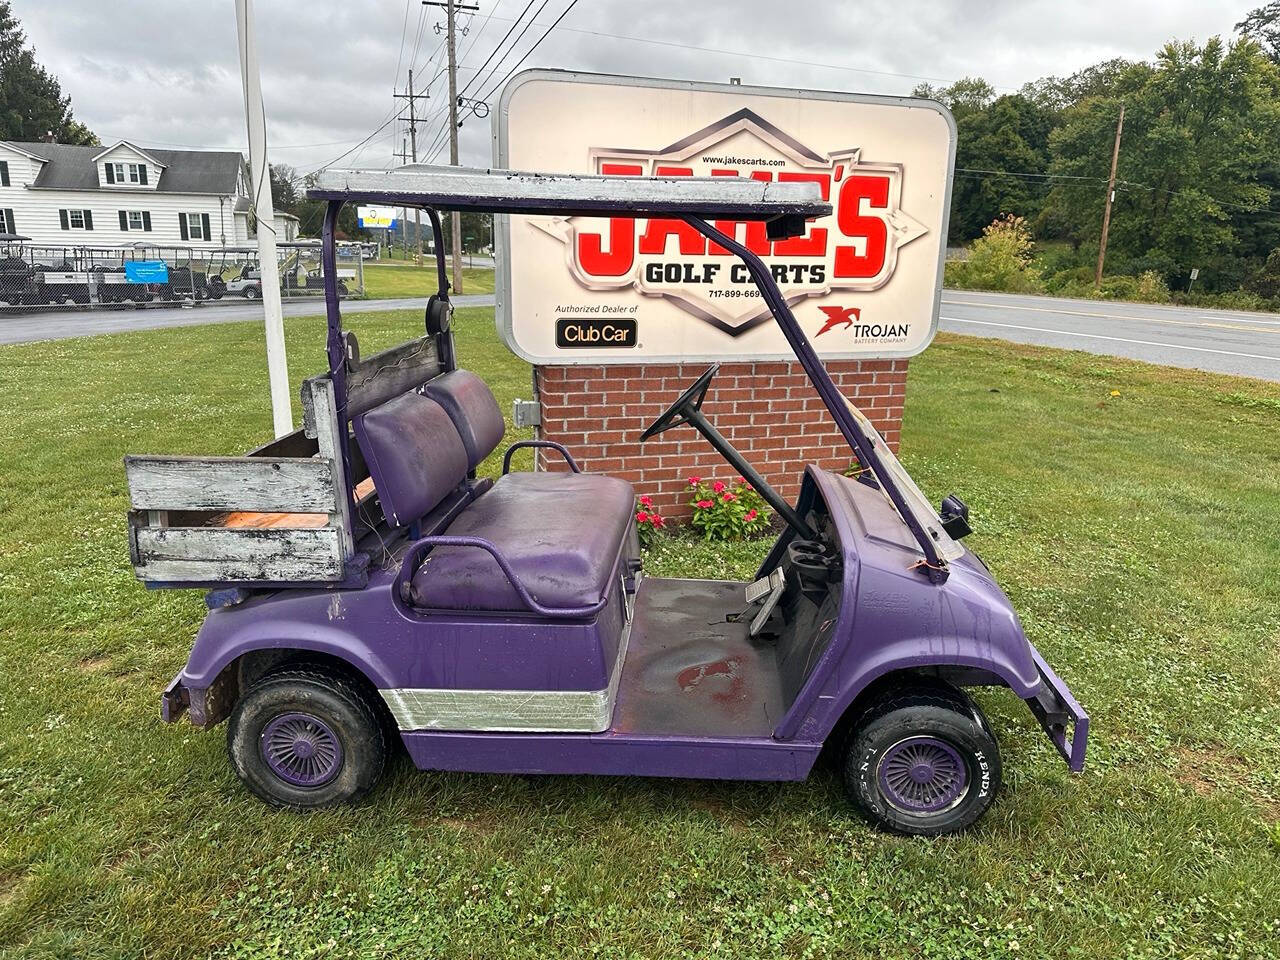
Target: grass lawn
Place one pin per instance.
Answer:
(1138, 535)
(383, 280)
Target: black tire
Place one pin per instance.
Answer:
(252, 293)
(337, 706)
(925, 722)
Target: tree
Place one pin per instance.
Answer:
(1263, 26)
(32, 105)
(1001, 156)
(1198, 152)
(963, 97)
(284, 190)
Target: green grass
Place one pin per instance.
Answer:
(383, 281)
(1138, 536)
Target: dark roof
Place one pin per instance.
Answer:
(71, 167)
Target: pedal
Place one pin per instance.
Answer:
(776, 582)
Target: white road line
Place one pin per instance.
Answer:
(1210, 321)
(1097, 336)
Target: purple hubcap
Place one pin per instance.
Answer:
(301, 749)
(923, 775)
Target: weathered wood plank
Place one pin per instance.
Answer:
(231, 483)
(378, 378)
(207, 554)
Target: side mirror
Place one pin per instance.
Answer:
(954, 514)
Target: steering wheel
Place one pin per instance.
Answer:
(687, 402)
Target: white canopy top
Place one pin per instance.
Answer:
(507, 191)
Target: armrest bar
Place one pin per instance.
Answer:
(420, 547)
(550, 444)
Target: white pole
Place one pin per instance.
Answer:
(264, 211)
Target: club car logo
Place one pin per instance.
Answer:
(855, 249)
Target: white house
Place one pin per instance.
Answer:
(62, 195)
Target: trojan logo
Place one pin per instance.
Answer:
(854, 249)
(839, 317)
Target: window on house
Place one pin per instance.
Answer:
(6, 222)
(195, 226)
(76, 219)
(135, 220)
(127, 173)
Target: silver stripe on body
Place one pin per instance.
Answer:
(495, 711)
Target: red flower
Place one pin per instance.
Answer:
(742, 480)
(749, 515)
(703, 504)
(657, 521)
(718, 486)
(646, 501)
(642, 516)
(728, 498)
(694, 481)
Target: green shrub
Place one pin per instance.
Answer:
(724, 511)
(1074, 278)
(1001, 259)
(1152, 288)
(1266, 281)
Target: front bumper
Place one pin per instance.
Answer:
(174, 701)
(1055, 707)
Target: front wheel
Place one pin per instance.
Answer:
(922, 762)
(305, 737)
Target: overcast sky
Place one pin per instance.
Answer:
(167, 74)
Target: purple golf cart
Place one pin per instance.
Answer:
(365, 584)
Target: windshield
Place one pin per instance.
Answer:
(916, 501)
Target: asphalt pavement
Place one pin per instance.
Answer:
(1223, 341)
(59, 325)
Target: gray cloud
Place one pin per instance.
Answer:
(168, 74)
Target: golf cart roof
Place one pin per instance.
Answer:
(571, 194)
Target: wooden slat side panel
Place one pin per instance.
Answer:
(213, 554)
(231, 483)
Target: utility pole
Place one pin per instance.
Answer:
(264, 211)
(413, 146)
(452, 7)
(1111, 196)
(404, 211)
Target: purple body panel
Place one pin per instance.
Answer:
(395, 646)
(898, 619)
(614, 754)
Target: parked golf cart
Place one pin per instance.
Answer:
(246, 282)
(365, 584)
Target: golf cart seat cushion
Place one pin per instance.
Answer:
(472, 408)
(414, 453)
(560, 532)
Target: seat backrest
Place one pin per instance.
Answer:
(414, 453)
(471, 406)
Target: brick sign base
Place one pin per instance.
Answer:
(768, 410)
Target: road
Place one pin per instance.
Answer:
(56, 325)
(1224, 341)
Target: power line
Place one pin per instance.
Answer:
(510, 50)
(492, 53)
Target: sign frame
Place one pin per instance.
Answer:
(389, 225)
(502, 225)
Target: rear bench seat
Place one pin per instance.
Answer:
(561, 533)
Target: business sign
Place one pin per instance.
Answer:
(146, 271)
(863, 282)
(382, 218)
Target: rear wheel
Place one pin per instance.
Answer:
(252, 293)
(922, 762)
(305, 737)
